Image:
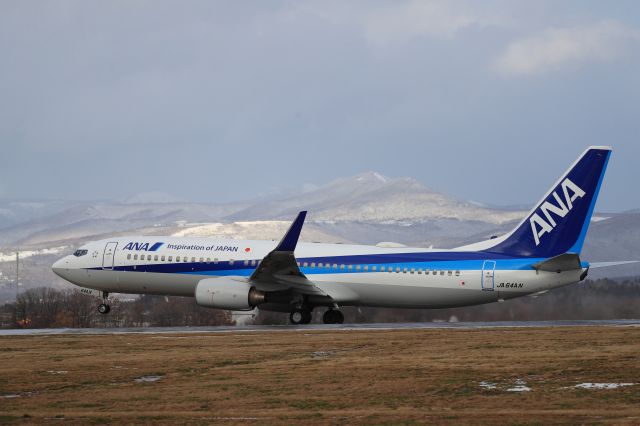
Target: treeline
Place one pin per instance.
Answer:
(50, 308)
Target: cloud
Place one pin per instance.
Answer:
(421, 18)
(555, 48)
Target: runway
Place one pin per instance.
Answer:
(321, 327)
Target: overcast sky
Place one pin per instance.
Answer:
(221, 101)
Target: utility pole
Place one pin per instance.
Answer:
(17, 284)
(17, 275)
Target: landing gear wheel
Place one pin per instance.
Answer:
(333, 316)
(103, 308)
(300, 316)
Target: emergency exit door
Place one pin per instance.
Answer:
(488, 274)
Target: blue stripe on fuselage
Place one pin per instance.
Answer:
(455, 261)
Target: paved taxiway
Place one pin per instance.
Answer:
(332, 327)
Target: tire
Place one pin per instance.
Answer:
(104, 309)
(306, 317)
(333, 316)
(300, 316)
(339, 317)
(296, 317)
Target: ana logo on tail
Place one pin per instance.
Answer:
(540, 226)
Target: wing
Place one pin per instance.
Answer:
(279, 269)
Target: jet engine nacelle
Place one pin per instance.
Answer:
(227, 293)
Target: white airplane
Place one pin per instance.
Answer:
(540, 253)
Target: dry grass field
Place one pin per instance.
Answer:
(455, 376)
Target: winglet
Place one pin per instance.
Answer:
(290, 239)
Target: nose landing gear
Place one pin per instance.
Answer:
(104, 307)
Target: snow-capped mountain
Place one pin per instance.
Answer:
(373, 198)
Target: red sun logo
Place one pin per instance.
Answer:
(248, 249)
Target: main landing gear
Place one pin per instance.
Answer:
(300, 316)
(333, 316)
(104, 307)
(303, 316)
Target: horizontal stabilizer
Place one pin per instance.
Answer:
(560, 263)
(607, 264)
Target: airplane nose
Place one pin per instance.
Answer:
(60, 266)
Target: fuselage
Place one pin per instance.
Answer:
(351, 274)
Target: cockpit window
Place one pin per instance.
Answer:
(79, 253)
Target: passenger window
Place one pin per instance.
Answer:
(162, 258)
(320, 265)
(404, 271)
(155, 258)
(374, 268)
(230, 262)
(215, 261)
(341, 266)
(441, 272)
(435, 272)
(457, 273)
(413, 270)
(246, 263)
(449, 273)
(305, 264)
(313, 264)
(397, 270)
(129, 256)
(419, 270)
(350, 267)
(135, 257)
(366, 268)
(193, 260)
(208, 260)
(149, 258)
(426, 271)
(170, 259)
(202, 260)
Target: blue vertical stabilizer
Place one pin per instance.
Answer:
(558, 224)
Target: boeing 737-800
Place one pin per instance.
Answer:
(541, 253)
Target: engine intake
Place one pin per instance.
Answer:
(226, 293)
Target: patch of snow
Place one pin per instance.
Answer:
(521, 386)
(390, 244)
(147, 379)
(488, 385)
(321, 354)
(380, 177)
(602, 385)
(57, 372)
(11, 256)
(599, 218)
